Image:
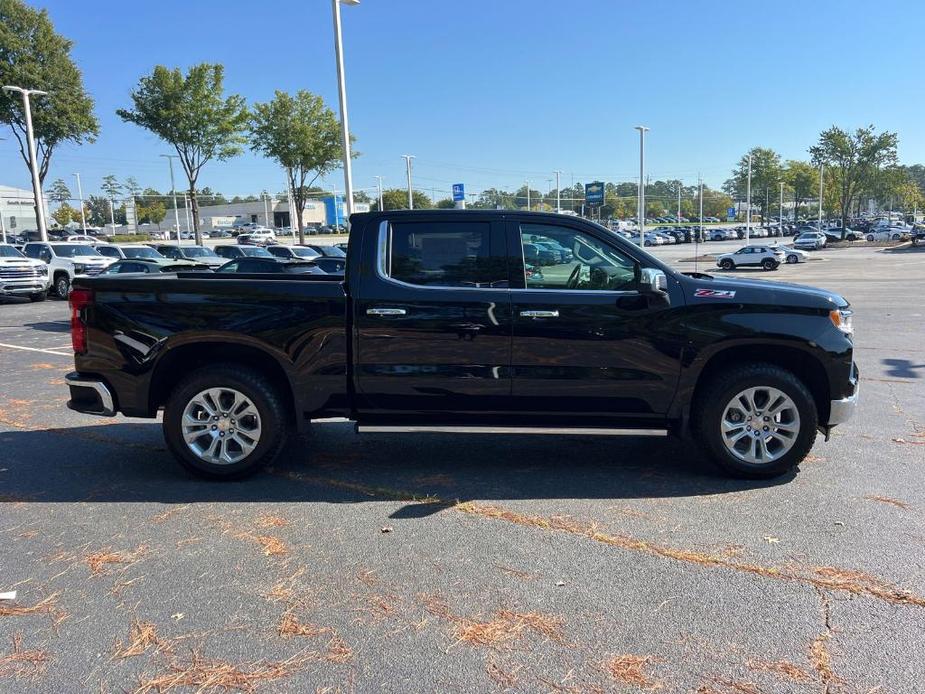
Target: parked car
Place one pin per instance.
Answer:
(229, 251)
(293, 252)
(238, 365)
(83, 238)
(751, 256)
(792, 255)
(261, 236)
(127, 251)
(197, 254)
(22, 276)
(327, 250)
(810, 240)
(722, 234)
(67, 261)
(143, 266)
(271, 265)
(885, 234)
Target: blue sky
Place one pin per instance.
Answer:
(493, 92)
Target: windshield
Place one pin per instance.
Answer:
(331, 252)
(198, 252)
(257, 252)
(10, 252)
(73, 251)
(304, 252)
(141, 253)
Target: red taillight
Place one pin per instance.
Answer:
(79, 299)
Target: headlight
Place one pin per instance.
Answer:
(841, 319)
(79, 269)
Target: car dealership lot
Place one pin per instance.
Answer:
(400, 563)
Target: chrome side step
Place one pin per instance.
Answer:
(574, 431)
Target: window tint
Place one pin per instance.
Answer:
(108, 252)
(32, 250)
(557, 257)
(443, 254)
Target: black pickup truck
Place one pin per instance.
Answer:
(468, 322)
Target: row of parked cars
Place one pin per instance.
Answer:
(38, 268)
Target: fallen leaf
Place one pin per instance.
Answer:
(387, 529)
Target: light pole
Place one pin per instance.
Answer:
(187, 205)
(679, 203)
(379, 188)
(821, 170)
(266, 208)
(748, 203)
(408, 158)
(342, 89)
(528, 195)
(780, 214)
(80, 196)
(558, 193)
(33, 159)
(641, 205)
(173, 191)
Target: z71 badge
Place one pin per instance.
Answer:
(715, 293)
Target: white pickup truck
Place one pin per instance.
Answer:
(22, 276)
(66, 261)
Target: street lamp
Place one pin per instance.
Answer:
(33, 159)
(748, 203)
(173, 190)
(379, 188)
(408, 158)
(342, 89)
(558, 193)
(641, 204)
(80, 196)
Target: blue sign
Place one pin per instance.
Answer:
(594, 193)
(334, 210)
(731, 214)
(459, 192)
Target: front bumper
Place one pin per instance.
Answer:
(840, 411)
(89, 395)
(20, 288)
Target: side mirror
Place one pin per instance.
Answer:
(652, 280)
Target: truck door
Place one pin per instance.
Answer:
(432, 315)
(587, 344)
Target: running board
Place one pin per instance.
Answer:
(574, 431)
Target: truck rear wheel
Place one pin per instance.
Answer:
(756, 421)
(225, 422)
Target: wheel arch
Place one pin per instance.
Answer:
(178, 362)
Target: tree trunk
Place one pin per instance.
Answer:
(194, 210)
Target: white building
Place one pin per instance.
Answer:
(17, 210)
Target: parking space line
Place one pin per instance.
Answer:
(37, 349)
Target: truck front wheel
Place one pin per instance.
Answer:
(225, 422)
(756, 420)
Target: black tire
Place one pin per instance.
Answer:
(709, 411)
(769, 264)
(38, 296)
(870, 237)
(791, 259)
(727, 264)
(253, 385)
(62, 285)
(896, 237)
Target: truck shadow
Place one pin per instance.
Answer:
(128, 462)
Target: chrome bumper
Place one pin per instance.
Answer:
(89, 396)
(840, 411)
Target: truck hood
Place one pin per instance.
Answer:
(749, 291)
(91, 260)
(19, 262)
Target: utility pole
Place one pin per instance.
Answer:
(748, 204)
(342, 92)
(408, 158)
(80, 196)
(558, 193)
(33, 159)
(641, 204)
(173, 191)
(379, 187)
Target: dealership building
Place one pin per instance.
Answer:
(271, 212)
(17, 210)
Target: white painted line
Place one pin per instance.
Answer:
(36, 349)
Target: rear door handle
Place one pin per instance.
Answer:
(385, 312)
(539, 314)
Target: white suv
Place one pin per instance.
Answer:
(66, 261)
(21, 276)
(768, 258)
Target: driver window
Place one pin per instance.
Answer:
(558, 257)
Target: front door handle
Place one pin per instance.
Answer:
(385, 312)
(539, 314)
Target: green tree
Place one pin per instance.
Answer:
(131, 186)
(445, 204)
(152, 212)
(97, 210)
(212, 197)
(767, 174)
(111, 187)
(803, 180)
(397, 199)
(59, 192)
(34, 56)
(303, 135)
(191, 113)
(853, 161)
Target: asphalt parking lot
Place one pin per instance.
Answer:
(435, 563)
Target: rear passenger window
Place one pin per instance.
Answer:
(443, 254)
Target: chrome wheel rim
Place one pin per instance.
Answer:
(221, 426)
(760, 425)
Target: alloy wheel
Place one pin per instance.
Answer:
(760, 424)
